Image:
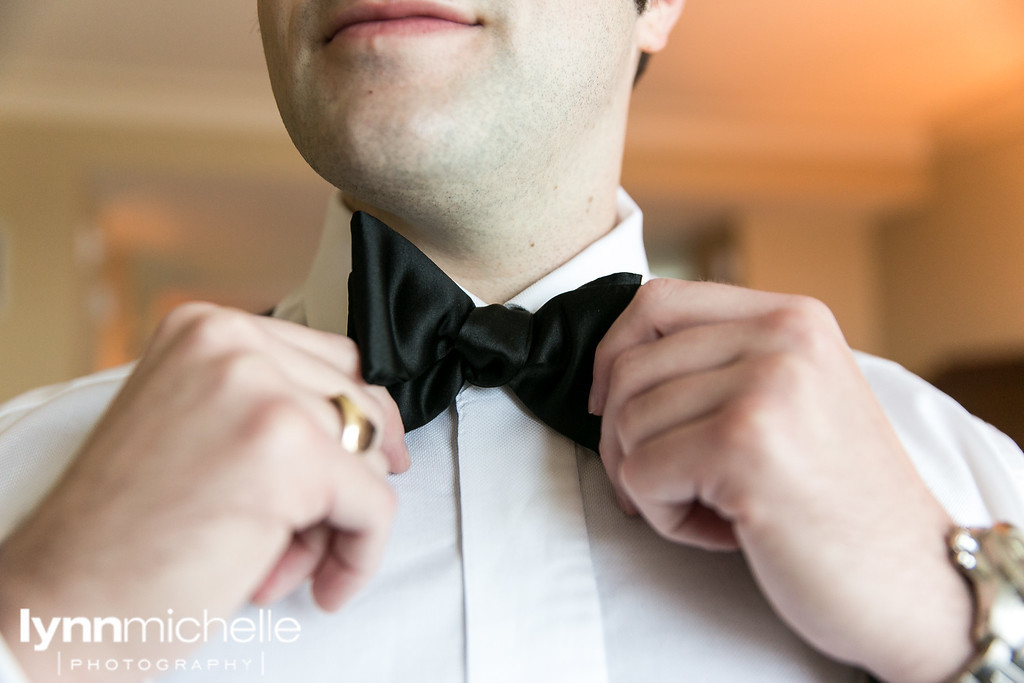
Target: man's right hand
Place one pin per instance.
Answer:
(216, 477)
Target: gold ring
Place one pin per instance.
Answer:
(356, 429)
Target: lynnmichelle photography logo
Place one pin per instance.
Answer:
(57, 633)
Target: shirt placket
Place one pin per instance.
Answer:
(531, 603)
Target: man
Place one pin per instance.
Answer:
(489, 133)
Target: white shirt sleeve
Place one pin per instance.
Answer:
(974, 470)
(40, 433)
(10, 670)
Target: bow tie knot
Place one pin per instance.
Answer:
(494, 343)
(421, 336)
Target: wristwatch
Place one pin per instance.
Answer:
(993, 562)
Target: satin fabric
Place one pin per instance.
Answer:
(423, 338)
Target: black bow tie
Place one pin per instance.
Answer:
(422, 337)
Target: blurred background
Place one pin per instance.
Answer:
(866, 152)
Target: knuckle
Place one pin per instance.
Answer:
(804, 324)
(642, 474)
(275, 427)
(235, 371)
(753, 454)
(745, 425)
(791, 325)
(628, 475)
(181, 317)
(632, 469)
(755, 448)
(373, 408)
(777, 375)
(212, 330)
(624, 369)
(262, 444)
(346, 345)
(653, 294)
(347, 357)
(387, 404)
(628, 422)
(814, 311)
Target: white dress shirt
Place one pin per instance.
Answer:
(510, 560)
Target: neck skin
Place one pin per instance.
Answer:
(499, 265)
(505, 230)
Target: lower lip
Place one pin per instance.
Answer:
(409, 26)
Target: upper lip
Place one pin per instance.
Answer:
(374, 11)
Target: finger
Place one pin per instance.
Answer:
(299, 561)
(673, 467)
(361, 520)
(345, 569)
(339, 350)
(610, 449)
(675, 402)
(679, 488)
(642, 368)
(363, 405)
(392, 430)
(181, 321)
(310, 358)
(664, 306)
(328, 417)
(322, 363)
(374, 401)
(359, 479)
(376, 404)
(690, 350)
(692, 524)
(342, 352)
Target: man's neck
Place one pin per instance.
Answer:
(495, 254)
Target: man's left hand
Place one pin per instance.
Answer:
(740, 419)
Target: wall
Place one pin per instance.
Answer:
(953, 272)
(42, 320)
(57, 181)
(825, 254)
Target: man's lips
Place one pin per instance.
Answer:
(398, 17)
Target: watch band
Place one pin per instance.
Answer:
(997, 663)
(992, 560)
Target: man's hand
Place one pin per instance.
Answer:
(735, 418)
(215, 478)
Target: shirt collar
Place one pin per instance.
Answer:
(322, 302)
